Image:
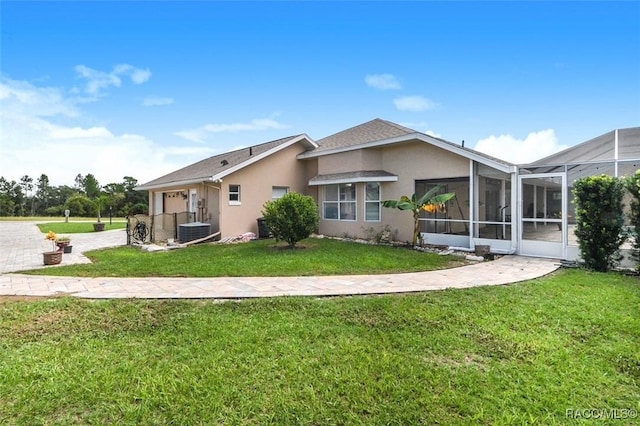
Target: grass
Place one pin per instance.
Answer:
(519, 354)
(54, 219)
(257, 258)
(77, 227)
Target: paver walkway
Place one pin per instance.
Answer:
(508, 269)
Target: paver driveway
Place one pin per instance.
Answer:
(22, 245)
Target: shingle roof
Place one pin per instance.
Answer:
(379, 130)
(601, 148)
(211, 166)
(371, 131)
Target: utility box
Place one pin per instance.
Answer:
(263, 230)
(193, 231)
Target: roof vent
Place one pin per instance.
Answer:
(224, 162)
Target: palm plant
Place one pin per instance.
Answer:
(430, 202)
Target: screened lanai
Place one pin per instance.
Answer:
(480, 214)
(546, 209)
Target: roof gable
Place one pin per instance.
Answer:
(371, 131)
(378, 133)
(221, 165)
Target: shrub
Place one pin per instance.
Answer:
(633, 186)
(54, 211)
(79, 205)
(382, 235)
(291, 218)
(600, 220)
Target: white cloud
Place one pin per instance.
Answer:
(33, 146)
(58, 132)
(434, 134)
(97, 80)
(521, 151)
(382, 81)
(21, 96)
(137, 75)
(414, 103)
(156, 101)
(200, 134)
(33, 142)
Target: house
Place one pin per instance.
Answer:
(229, 190)
(511, 208)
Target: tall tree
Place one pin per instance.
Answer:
(26, 182)
(7, 199)
(79, 182)
(43, 193)
(91, 186)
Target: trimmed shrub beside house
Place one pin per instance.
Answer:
(633, 186)
(599, 226)
(291, 218)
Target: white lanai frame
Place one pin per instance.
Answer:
(473, 223)
(616, 153)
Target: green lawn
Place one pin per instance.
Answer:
(78, 227)
(256, 258)
(55, 219)
(518, 354)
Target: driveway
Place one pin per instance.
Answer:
(22, 245)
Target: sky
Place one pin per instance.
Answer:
(125, 88)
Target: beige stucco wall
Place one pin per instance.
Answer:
(256, 182)
(174, 202)
(410, 162)
(361, 159)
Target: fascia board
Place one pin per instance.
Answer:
(355, 180)
(263, 155)
(415, 136)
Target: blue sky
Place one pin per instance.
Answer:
(139, 89)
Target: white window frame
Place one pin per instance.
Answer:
(340, 203)
(274, 196)
(378, 202)
(236, 193)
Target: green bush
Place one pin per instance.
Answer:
(54, 211)
(138, 208)
(633, 186)
(291, 218)
(600, 220)
(79, 205)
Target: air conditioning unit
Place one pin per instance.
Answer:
(193, 231)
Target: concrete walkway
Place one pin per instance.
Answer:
(506, 270)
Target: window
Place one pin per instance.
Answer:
(372, 202)
(278, 192)
(234, 194)
(340, 202)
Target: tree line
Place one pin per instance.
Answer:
(87, 197)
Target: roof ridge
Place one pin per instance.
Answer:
(223, 161)
(399, 126)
